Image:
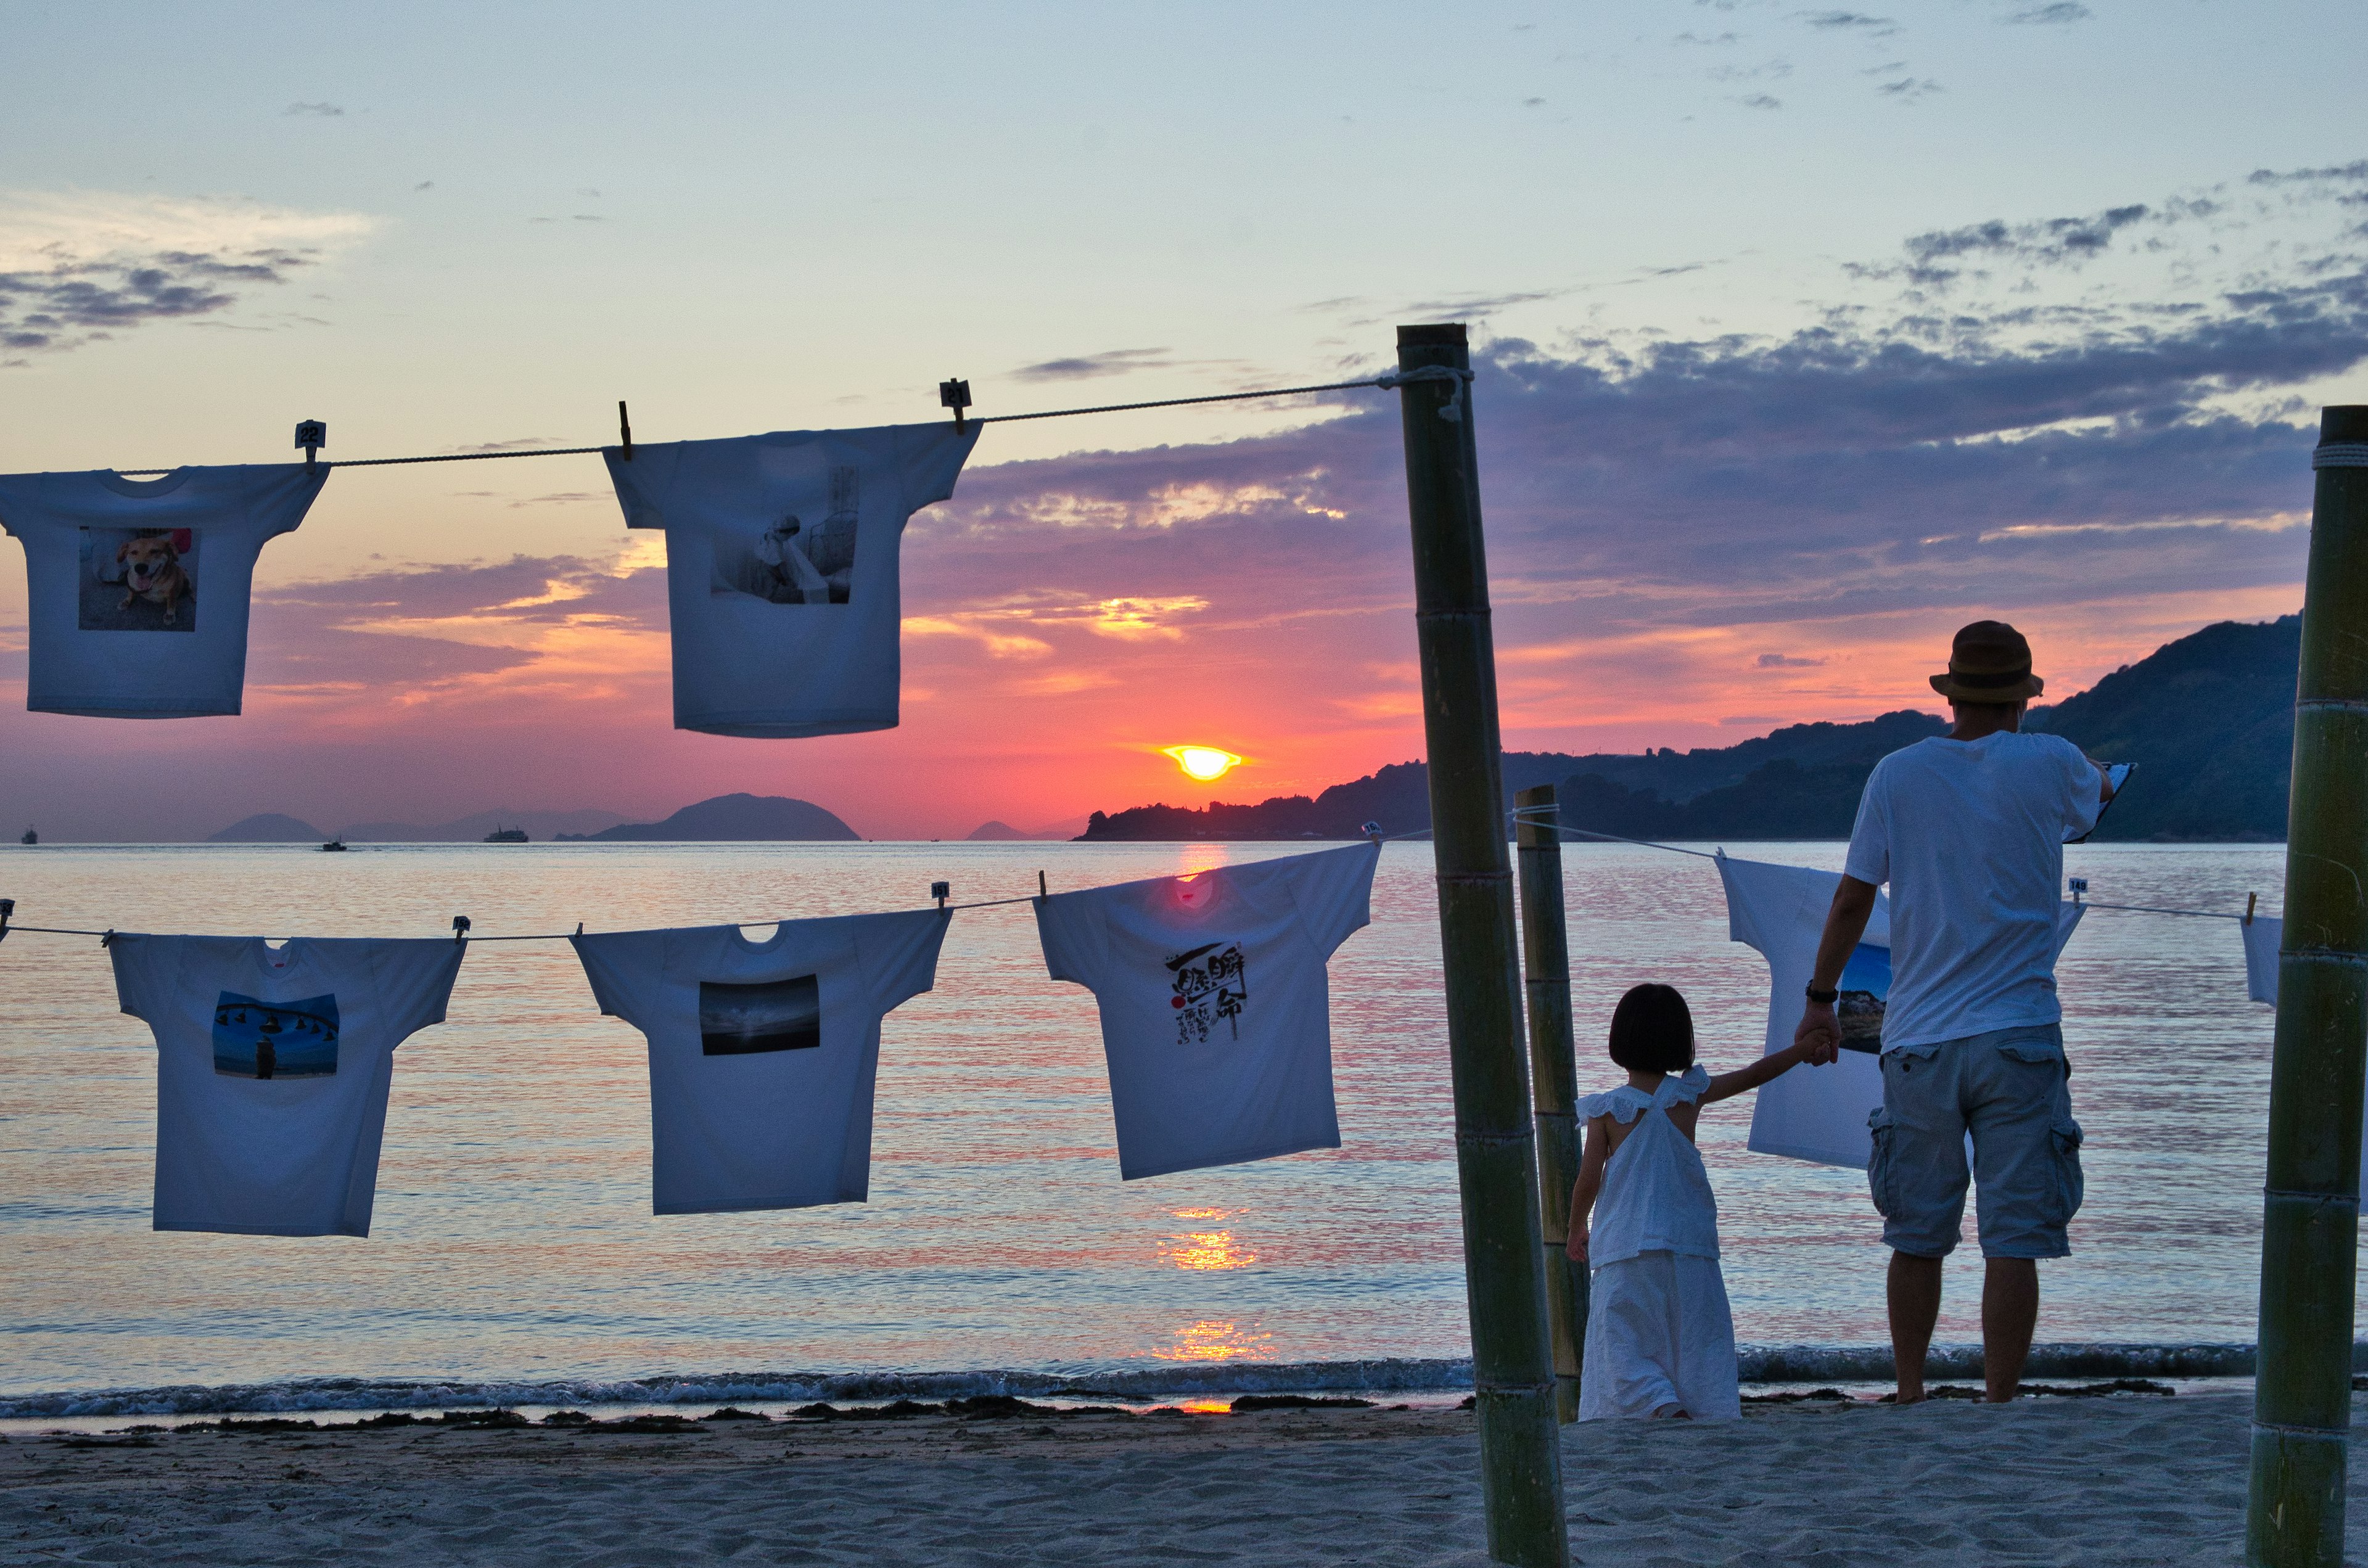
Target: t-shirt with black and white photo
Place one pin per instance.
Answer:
(136, 589)
(782, 571)
(272, 1071)
(1215, 1004)
(763, 1054)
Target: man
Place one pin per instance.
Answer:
(1968, 829)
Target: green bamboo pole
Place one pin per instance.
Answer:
(1513, 1362)
(1553, 1078)
(2310, 1230)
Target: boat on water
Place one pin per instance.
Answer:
(336, 845)
(30, 837)
(506, 835)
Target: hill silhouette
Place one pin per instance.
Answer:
(2208, 718)
(732, 819)
(268, 827)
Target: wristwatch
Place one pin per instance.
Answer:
(1822, 998)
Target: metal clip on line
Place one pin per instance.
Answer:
(460, 929)
(311, 435)
(941, 892)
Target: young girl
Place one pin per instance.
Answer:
(1659, 1339)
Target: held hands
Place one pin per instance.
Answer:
(1819, 1037)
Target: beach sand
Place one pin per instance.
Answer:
(2127, 1480)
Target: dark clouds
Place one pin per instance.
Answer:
(1110, 362)
(87, 302)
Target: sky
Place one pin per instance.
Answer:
(1805, 336)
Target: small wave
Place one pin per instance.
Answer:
(1135, 1383)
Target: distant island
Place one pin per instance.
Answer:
(731, 819)
(2208, 720)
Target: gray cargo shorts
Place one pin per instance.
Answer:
(2007, 1089)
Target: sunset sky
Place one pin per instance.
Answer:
(1805, 334)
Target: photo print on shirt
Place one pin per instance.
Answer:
(798, 560)
(771, 1015)
(1865, 987)
(139, 580)
(275, 1039)
(1210, 984)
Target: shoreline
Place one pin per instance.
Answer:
(2127, 1479)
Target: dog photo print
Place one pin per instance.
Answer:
(772, 1015)
(139, 580)
(805, 557)
(275, 1039)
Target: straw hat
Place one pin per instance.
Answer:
(1989, 662)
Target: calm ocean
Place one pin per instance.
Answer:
(514, 1256)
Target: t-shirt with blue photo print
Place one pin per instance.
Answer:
(272, 1071)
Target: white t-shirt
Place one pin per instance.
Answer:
(2263, 934)
(781, 568)
(1819, 1113)
(1215, 1007)
(763, 1054)
(137, 588)
(1970, 835)
(272, 1068)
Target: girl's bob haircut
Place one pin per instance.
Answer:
(1653, 1030)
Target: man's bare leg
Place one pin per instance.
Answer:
(1913, 1294)
(2009, 1314)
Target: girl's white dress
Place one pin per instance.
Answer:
(1658, 1331)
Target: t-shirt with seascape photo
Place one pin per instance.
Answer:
(1216, 1009)
(781, 568)
(137, 589)
(272, 1071)
(763, 1054)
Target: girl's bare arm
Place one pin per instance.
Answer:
(1726, 1086)
(1583, 1191)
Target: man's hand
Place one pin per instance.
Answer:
(1575, 1248)
(1820, 1033)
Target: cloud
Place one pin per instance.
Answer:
(1761, 100)
(81, 268)
(1784, 662)
(1109, 362)
(1907, 90)
(1850, 21)
(321, 112)
(2061, 14)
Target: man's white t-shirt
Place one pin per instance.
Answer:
(272, 1069)
(1969, 836)
(136, 588)
(763, 1054)
(781, 568)
(1215, 1007)
(1820, 1114)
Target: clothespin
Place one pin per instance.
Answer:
(2249, 898)
(579, 928)
(460, 928)
(311, 435)
(2080, 886)
(956, 396)
(108, 939)
(941, 892)
(7, 908)
(624, 432)
(1040, 885)
(1374, 831)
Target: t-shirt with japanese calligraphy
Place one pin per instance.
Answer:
(272, 1071)
(1215, 1004)
(763, 1054)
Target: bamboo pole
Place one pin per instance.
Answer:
(1512, 1363)
(2302, 1400)
(1554, 1079)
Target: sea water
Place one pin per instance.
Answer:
(513, 1257)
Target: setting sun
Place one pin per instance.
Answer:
(1203, 763)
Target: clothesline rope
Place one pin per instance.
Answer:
(1383, 382)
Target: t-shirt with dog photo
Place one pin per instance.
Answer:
(272, 1071)
(1215, 1006)
(781, 568)
(137, 588)
(763, 1054)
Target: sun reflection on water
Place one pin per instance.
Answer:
(1204, 1250)
(1211, 1340)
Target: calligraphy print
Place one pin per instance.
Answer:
(772, 1015)
(275, 1039)
(1209, 987)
